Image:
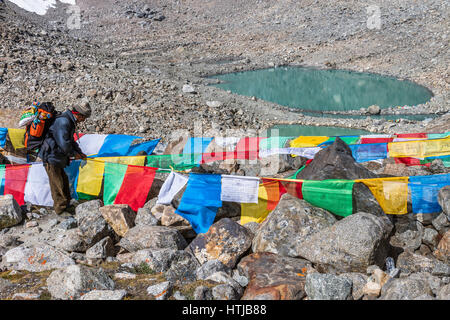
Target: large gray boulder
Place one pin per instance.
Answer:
(287, 227)
(36, 258)
(155, 237)
(102, 249)
(71, 241)
(159, 260)
(225, 241)
(91, 222)
(405, 289)
(350, 245)
(10, 213)
(182, 269)
(328, 287)
(409, 262)
(74, 281)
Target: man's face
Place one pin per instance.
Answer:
(80, 117)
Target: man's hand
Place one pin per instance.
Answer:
(80, 156)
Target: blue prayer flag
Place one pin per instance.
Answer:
(197, 145)
(3, 133)
(201, 200)
(424, 192)
(72, 173)
(369, 151)
(116, 145)
(147, 147)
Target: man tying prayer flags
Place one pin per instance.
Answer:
(57, 149)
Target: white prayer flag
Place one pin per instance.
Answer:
(173, 184)
(37, 188)
(91, 143)
(239, 189)
(303, 152)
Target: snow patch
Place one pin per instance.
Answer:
(39, 7)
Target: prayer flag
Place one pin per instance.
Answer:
(173, 184)
(90, 178)
(2, 179)
(391, 193)
(308, 141)
(3, 133)
(37, 188)
(196, 145)
(116, 145)
(424, 192)
(333, 195)
(15, 180)
(201, 200)
(147, 147)
(239, 189)
(368, 152)
(91, 144)
(255, 212)
(17, 137)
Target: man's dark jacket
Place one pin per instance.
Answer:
(59, 144)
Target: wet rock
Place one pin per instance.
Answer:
(350, 245)
(91, 222)
(287, 227)
(104, 295)
(155, 237)
(36, 258)
(210, 267)
(182, 268)
(273, 277)
(145, 217)
(158, 260)
(120, 217)
(444, 200)
(10, 212)
(225, 241)
(442, 251)
(102, 249)
(327, 287)
(160, 291)
(71, 282)
(409, 262)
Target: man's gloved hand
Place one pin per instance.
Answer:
(80, 156)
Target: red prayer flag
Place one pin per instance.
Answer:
(248, 148)
(412, 135)
(376, 140)
(411, 161)
(135, 186)
(274, 190)
(15, 181)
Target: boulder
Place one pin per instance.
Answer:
(120, 217)
(224, 292)
(408, 233)
(409, 262)
(159, 260)
(202, 293)
(145, 217)
(36, 258)
(71, 241)
(444, 200)
(68, 224)
(431, 237)
(225, 241)
(224, 278)
(210, 267)
(155, 237)
(170, 218)
(327, 287)
(70, 283)
(350, 245)
(182, 268)
(91, 222)
(441, 223)
(104, 295)
(358, 280)
(102, 249)
(287, 227)
(405, 289)
(273, 277)
(10, 212)
(442, 251)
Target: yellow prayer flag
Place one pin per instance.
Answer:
(255, 212)
(391, 193)
(420, 149)
(90, 177)
(130, 160)
(17, 137)
(307, 141)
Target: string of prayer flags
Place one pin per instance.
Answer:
(239, 189)
(201, 200)
(333, 195)
(302, 152)
(177, 162)
(173, 184)
(424, 192)
(391, 193)
(15, 181)
(376, 138)
(346, 139)
(420, 149)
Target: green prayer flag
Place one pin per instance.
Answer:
(177, 162)
(347, 140)
(114, 174)
(438, 135)
(333, 195)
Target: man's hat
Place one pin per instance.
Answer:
(83, 108)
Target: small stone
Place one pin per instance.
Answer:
(374, 109)
(68, 224)
(188, 89)
(160, 291)
(31, 224)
